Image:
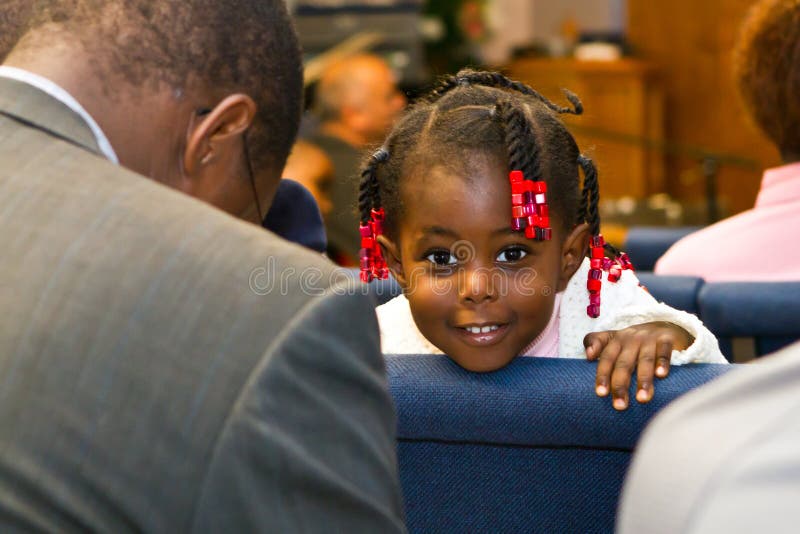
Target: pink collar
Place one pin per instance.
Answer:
(780, 185)
(546, 343)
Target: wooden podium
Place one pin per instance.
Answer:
(623, 117)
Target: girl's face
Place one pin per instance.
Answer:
(478, 290)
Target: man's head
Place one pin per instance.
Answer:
(189, 93)
(767, 67)
(359, 99)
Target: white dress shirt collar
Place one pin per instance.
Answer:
(57, 92)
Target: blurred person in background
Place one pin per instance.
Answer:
(356, 102)
(310, 166)
(753, 245)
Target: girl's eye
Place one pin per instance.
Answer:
(510, 255)
(441, 257)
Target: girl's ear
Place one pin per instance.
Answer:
(391, 253)
(572, 253)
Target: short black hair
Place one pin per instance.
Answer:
(247, 46)
(767, 70)
(485, 112)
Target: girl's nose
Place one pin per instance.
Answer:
(479, 285)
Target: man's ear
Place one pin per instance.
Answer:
(572, 253)
(212, 137)
(391, 253)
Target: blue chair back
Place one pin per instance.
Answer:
(751, 318)
(681, 292)
(529, 448)
(645, 244)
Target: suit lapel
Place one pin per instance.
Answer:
(37, 109)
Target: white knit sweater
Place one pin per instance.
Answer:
(624, 304)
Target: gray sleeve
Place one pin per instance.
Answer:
(310, 445)
(758, 491)
(722, 458)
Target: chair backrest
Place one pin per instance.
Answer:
(529, 448)
(751, 319)
(681, 292)
(645, 244)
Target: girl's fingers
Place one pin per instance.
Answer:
(595, 342)
(645, 372)
(607, 358)
(621, 377)
(663, 355)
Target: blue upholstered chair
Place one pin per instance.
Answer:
(680, 292)
(529, 448)
(645, 244)
(751, 319)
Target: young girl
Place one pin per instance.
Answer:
(475, 205)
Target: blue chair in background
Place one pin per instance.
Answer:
(751, 319)
(294, 215)
(529, 448)
(681, 292)
(645, 244)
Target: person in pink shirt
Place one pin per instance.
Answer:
(753, 245)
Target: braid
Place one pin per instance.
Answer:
(495, 79)
(589, 201)
(523, 151)
(590, 195)
(369, 195)
(447, 83)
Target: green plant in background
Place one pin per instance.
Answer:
(464, 27)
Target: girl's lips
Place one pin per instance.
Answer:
(488, 334)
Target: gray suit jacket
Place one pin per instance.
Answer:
(167, 368)
(724, 458)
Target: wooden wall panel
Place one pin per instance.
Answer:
(691, 41)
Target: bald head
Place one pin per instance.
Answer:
(359, 97)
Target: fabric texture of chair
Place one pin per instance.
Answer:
(529, 448)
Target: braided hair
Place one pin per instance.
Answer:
(477, 112)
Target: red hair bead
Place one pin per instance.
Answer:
(597, 262)
(529, 210)
(371, 261)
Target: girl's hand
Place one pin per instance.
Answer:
(646, 347)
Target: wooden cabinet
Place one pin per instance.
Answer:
(623, 121)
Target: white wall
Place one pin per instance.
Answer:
(590, 15)
(520, 22)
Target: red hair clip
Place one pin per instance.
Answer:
(372, 263)
(529, 211)
(599, 263)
